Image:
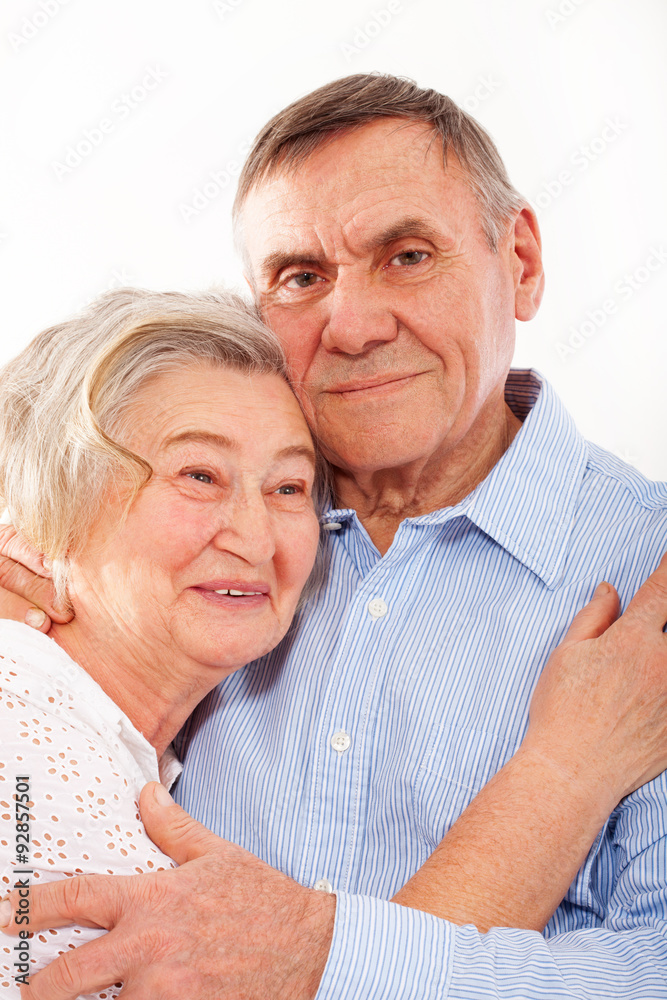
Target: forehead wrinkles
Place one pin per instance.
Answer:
(335, 211)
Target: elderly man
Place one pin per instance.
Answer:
(388, 250)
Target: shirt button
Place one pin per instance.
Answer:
(377, 608)
(323, 885)
(341, 741)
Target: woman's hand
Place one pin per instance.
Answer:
(26, 590)
(598, 730)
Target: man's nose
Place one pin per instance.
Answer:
(247, 531)
(359, 317)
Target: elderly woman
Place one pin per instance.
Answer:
(153, 451)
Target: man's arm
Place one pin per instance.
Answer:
(225, 922)
(26, 591)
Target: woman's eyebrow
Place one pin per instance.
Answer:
(222, 441)
(298, 451)
(205, 437)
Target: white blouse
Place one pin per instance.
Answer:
(85, 765)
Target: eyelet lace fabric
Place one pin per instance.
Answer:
(86, 764)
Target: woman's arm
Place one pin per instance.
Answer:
(597, 731)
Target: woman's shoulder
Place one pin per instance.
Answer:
(44, 692)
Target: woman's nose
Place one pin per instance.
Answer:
(247, 531)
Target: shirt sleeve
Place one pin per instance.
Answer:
(617, 947)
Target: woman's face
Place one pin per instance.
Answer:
(218, 545)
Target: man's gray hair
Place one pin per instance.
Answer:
(289, 138)
(64, 399)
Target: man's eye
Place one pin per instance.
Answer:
(201, 477)
(409, 257)
(303, 280)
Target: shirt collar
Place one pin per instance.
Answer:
(528, 500)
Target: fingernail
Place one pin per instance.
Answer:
(35, 618)
(5, 912)
(601, 589)
(162, 796)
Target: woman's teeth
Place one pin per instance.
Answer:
(240, 593)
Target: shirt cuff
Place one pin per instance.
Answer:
(386, 951)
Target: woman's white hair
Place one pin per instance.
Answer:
(63, 401)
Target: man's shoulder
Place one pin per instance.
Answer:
(607, 472)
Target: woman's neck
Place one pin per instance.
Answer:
(141, 676)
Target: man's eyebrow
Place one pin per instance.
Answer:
(221, 441)
(410, 226)
(278, 260)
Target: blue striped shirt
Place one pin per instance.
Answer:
(346, 753)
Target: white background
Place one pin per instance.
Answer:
(543, 76)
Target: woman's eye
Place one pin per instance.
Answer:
(303, 280)
(201, 477)
(288, 491)
(409, 257)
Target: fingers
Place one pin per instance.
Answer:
(649, 605)
(32, 590)
(596, 617)
(89, 900)
(16, 548)
(81, 971)
(171, 829)
(17, 609)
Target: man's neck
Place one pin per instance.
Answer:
(385, 498)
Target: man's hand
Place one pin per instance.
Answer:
(224, 925)
(26, 591)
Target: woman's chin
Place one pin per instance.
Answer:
(227, 646)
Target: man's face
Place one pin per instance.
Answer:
(371, 265)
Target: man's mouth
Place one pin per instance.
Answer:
(380, 383)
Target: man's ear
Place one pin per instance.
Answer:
(526, 253)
